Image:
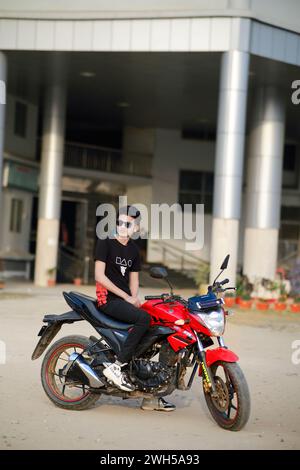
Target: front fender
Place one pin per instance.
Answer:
(220, 354)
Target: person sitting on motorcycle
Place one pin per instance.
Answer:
(117, 266)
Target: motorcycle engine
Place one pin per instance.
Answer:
(149, 375)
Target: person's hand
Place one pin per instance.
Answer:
(133, 300)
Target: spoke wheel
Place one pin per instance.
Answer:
(66, 392)
(230, 408)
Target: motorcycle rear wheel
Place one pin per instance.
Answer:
(231, 409)
(59, 393)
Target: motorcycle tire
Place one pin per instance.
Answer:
(88, 399)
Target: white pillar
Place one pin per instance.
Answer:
(51, 175)
(3, 73)
(229, 161)
(264, 177)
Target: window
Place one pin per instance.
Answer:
(196, 187)
(20, 119)
(289, 158)
(16, 215)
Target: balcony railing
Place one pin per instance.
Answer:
(90, 157)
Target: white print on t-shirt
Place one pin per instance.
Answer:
(123, 264)
(123, 261)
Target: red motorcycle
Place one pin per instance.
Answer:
(181, 334)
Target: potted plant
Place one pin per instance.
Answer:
(243, 289)
(245, 301)
(271, 288)
(229, 299)
(262, 304)
(77, 281)
(295, 305)
(280, 304)
(52, 277)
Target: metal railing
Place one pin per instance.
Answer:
(288, 251)
(96, 158)
(72, 264)
(183, 261)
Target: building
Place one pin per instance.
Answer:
(165, 101)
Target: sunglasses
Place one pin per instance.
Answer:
(122, 222)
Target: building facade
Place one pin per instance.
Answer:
(167, 102)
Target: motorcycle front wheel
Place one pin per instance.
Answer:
(65, 394)
(231, 407)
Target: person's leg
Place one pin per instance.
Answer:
(124, 311)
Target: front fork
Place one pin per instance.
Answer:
(208, 380)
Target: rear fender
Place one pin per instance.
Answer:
(49, 331)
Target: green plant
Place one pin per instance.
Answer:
(51, 272)
(261, 299)
(271, 285)
(229, 294)
(246, 297)
(243, 286)
(282, 290)
(296, 300)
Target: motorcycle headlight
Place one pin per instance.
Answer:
(214, 321)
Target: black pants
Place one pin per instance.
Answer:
(123, 311)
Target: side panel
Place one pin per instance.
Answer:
(115, 338)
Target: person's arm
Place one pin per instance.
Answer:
(134, 285)
(134, 277)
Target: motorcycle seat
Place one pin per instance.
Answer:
(68, 317)
(82, 302)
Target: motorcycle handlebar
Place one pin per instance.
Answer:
(167, 297)
(149, 297)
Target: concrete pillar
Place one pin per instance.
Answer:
(264, 177)
(51, 175)
(3, 73)
(229, 161)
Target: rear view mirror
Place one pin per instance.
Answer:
(158, 272)
(225, 263)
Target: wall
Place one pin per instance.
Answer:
(13, 144)
(285, 14)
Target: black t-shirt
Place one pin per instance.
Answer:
(120, 260)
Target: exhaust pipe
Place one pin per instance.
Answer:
(94, 380)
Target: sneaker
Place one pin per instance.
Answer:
(114, 373)
(157, 404)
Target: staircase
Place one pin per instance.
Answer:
(182, 267)
(177, 279)
(71, 264)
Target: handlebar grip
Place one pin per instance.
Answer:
(225, 281)
(149, 297)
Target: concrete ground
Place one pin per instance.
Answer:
(28, 420)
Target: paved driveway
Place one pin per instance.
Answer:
(30, 421)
